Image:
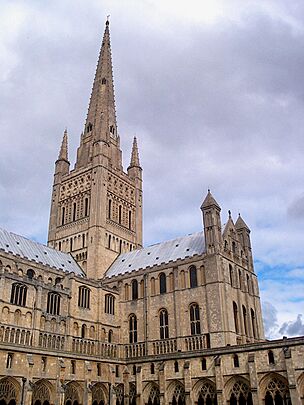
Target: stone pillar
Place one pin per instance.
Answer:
(139, 391)
(294, 393)
(126, 383)
(28, 397)
(253, 378)
(221, 400)
(162, 384)
(187, 383)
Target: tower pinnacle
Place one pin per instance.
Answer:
(63, 153)
(101, 117)
(134, 155)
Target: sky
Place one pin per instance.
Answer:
(214, 92)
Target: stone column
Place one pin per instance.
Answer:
(221, 400)
(253, 378)
(162, 384)
(139, 391)
(294, 393)
(187, 383)
(126, 383)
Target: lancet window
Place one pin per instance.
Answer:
(132, 329)
(163, 324)
(195, 323)
(193, 277)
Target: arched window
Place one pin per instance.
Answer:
(73, 367)
(30, 273)
(233, 247)
(163, 324)
(62, 215)
(204, 363)
(130, 219)
(109, 304)
(162, 283)
(253, 323)
(71, 244)
(110, 336)
(18, 294)
(132, 329)
(236, 362)
(53, 303)
(83, 331)
(195, 319)
(9, 360)
(109, 242)
(176, 368)
(84, 297)
(110, 209)
(119, 214)
(231, 275)
(86, 207)
(152, 368)
(74, 211)
(235, 315)
(240, 280)
(271, 357)
(134, 286)
(193, 277)
(245, 320)
(83, 240)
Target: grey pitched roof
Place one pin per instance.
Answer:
(25, 248)
(172, 250)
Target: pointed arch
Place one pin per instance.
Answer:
(73, 394)
(99, 394)
(151, 394)
(238, 391)
(176, 393)
(43, 392)
(10, 390)
(274, 387)
(203, 390)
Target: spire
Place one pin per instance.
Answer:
(63, 153)
(209, 201)
(240, 223)
(101, 117)
(134, 155)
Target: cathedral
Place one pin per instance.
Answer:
(95, 318)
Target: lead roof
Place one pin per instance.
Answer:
(161, 253)
(36, 252)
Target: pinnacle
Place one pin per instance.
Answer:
(209, 201)
(240, 223)
(134, 155)
(63, 153)
(101, 117)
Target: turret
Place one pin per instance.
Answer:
(212, 224)
(62, 164)
(244, 237)
(62, 168)
(135, 172)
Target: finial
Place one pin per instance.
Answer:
(208, 190)
(108, 22)
(229, 213)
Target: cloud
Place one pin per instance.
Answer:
(293, 328)
(270, 317)
(213, 90)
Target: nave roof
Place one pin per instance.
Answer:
(33, 251)
(160, 253)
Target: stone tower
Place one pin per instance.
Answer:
(96, 209)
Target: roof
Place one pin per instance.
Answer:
(161, 253)
(38, 253)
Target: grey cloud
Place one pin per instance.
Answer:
(270, 317)
(293, 328)
(296, 208)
